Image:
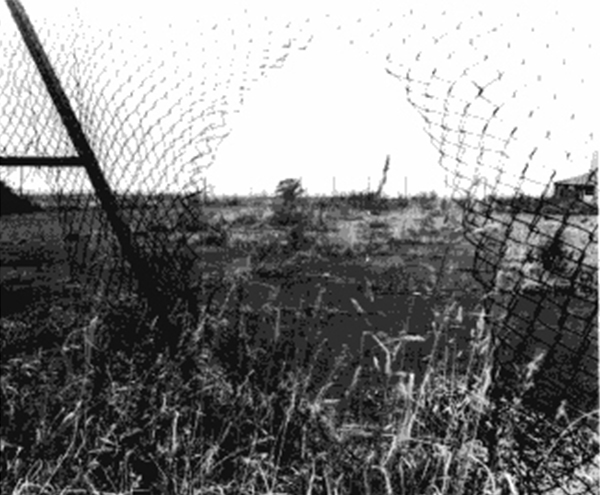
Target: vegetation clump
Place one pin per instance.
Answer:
(12, 203)
(288, 209)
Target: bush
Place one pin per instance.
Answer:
(554, 255)
(11, 202)
(287, 211)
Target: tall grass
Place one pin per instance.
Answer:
(230, 415)
(250, 402)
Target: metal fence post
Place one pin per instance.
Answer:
(144, 273)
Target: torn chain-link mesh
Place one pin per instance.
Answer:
(505, 96)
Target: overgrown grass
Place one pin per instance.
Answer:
(253, 400)
(101, 410)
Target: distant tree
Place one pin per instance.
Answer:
(289, 212)
(289, 190)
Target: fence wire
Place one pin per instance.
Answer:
(506, 108)
(505, 96)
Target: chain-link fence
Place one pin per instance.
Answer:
(506, 107)
(152, 119)
(510, 128)
(505, 95)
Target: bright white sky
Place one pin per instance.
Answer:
(331, 111)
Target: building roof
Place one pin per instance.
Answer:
(587, 179)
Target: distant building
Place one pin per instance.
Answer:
(583, 187)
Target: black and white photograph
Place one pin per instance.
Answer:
(299, 248)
